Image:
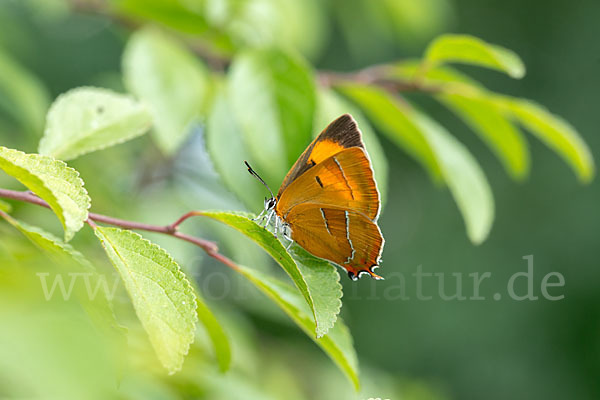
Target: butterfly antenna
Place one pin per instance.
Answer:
(254, 174)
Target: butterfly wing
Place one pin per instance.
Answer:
(347, 238)
(344, 180)
(340, 134)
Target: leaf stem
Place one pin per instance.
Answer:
(209, 247)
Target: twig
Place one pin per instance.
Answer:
(171, 230)
(374, 75)
(378, 75)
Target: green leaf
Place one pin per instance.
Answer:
(443, 77)
(54, 182)
(337, 343)
(224, 137)
(170, 13)
(272, 95)
(384, 111)
(22, 94)
(170, 80)
(324, 285)
(317, 280)
(556, 133)
(162, 296)
(464, 177)
(87, 119)
(491, 123)
(58, 250)
(331, 106)
(471, 50)
(99, 308)
(216, 333)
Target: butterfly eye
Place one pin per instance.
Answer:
(269, 203)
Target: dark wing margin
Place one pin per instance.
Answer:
(340, 134)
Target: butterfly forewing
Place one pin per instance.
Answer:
(344, 180)
(341, 134)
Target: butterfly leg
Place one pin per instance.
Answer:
(269, 216)
(286, 235)
(259, 216)
(276, 230)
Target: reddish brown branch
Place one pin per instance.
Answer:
(171, 230)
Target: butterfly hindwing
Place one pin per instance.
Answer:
(344, 237)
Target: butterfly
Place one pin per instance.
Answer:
(328, 202)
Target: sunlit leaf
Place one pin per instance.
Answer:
(162, 296)
(53, 181)
(216, 333)
(88, 119)
(331, 106)
(98, 305)
(555, 132)
(317, 280)
(170, 80)
(45, 241)
(491, 123)
(471, 50)
(383, 110)
(463, 175)
(337, 343)
(272, 95)
(22, 94)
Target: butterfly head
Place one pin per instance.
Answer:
(270, 203)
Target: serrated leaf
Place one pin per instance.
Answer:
(216, 333)
(492, 124)
(22, 94)
(317, 280)
(337, 343)
(54, 182)
(471, 50)
(170, 80)
(272, 95)
(162, 296)
(87, 119)
(45, 241)
(556, 133)
(331, 106)
(98, 307)
(464, 177)
(383, 110)
(324, 285)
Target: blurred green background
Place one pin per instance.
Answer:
(408, 349)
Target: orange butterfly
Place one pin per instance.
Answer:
(328, 202)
